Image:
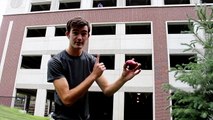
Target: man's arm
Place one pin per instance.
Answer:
(110, 89)
(70, 96)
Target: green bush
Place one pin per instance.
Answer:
(198, 103)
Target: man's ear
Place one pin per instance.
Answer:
(67, 33)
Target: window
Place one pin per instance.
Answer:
(138, 106)
(137, 2)
(103, 29)
(179, 59)
(40, 7)
(104, 3)
(207, 1)
(101, 106)
(108, 60)
(178, 28)
(25, 100)
(138, 28)
(60, 31)
(170, 2)
(145, 60)
(50, 104)
(36, 32)
(31, 62)
(70, 5)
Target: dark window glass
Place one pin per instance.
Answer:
(178, 28)
(137, 2)
(207, 1)
(31, 62)
(104, 3)
(36, 32)
(138, 106)
(69, 5)
(60, 31)
(101, 106)
(138, 29)
(40, 7)
(170, 2)
(176, 59)
(103, 29)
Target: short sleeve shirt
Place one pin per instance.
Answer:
(75, 70)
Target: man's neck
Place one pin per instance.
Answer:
(74, 52)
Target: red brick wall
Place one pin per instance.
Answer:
(158, 16)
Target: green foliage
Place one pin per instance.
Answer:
(7, 113)
(196, 104)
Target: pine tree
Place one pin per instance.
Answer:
(198, 103)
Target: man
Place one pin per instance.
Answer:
(73, 71)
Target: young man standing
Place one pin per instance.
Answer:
(73, 71)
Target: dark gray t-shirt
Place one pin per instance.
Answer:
(75, 70)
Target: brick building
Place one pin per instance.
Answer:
(151, 31)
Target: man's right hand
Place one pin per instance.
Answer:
(98, 68)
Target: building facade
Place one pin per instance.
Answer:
(151, 31)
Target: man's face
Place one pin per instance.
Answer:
(78, 37)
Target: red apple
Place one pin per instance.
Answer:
(131, 64)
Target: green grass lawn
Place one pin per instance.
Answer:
(7, 113)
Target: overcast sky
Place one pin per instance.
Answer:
(3, 4)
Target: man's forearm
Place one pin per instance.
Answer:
(114, 87)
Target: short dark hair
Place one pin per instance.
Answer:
(77, 22)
